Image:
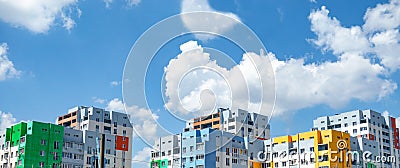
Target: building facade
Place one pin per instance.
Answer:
(73, 149)
(309, 149)
(32, 144)
(206, 148)
(106, 135)
(239, 122)
(375, 133)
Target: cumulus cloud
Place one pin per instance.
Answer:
(378, 36)
(38, 15)
(6, 120)
(301, 85)
(7, 69)
(354, 75)
(332, 36)
(142, 158)
(383, 17)
(143, 120)
(217, 23)
(197, 84)
(298, 85)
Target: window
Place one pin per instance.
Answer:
(43, 142)
(199, 157)
(124, 132)
(302, 150)
(41, 164)
(227, 162)
(89, 160)
(56, 145)
(89, 150)
(55, 156)
(323, 147)
(42, 153)
(22, 139)
(354, 130)
(200, 146)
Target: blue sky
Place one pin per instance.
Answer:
(74, 54)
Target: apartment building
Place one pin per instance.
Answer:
(32, 144)
(239, 122)
(367, 126)
(206, 148)
(106, 135)
(308, 149)
(73, 149)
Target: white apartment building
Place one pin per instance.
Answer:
(107, 136)
(239, 122)
(367, 125)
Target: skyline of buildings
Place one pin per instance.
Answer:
(89, 136)
(349, 139)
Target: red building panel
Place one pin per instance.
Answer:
(121, 143)
(396, 133)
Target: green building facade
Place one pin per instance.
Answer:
(159, 163)
(39, 144)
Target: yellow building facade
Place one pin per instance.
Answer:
(319, 149)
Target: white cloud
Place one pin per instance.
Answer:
(115, 105)
(332, 36)
(379, 35)
(217, 23)
(143, 120)
(383, 17)
(99, 100)
(133, 2)
(68, 22)
(387, 48)
(108, 3)
(354, 75)
(37, 15)
(129, 3)
(6, 120)
(7, 69)
(115, 83)
(299, 85)
(142, 158)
